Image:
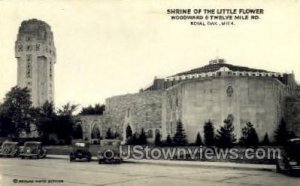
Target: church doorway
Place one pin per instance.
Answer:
(95, 135)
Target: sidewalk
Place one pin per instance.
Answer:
(202, 164)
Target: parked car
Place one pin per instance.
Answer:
(33, 149)
(289, 160)
(9, 149)
(109, 151)
(80, 150)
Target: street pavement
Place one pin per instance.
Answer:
(48, 171)
(206, 164)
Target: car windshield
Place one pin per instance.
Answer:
(109, 143)
(8, 145)
(31, 145)
(116, 143)
(80, 144)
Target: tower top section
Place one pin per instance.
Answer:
(36, 29)
(35, 37)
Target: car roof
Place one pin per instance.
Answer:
(294, 139)
(85, 142)
(11, 142)
(34, 142)
(110, 140)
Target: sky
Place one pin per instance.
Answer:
(108, 48)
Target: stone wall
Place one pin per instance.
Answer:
(292, 115)
(141, 110)
(89, 123)
(258, 100)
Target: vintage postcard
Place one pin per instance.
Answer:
(149, 92)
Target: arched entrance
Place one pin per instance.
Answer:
(95, 134)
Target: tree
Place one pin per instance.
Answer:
(15, 112)
(209, 134)
(266, 140)
(116, 135)
(281, 134)
(169, 141)
(142, 140)
(198, 139)
(65, 122)
(98, 109)
(179, 137)
(249, 136)
(157, 140)
(77, 133)
(134, 139)
(128, 132)
(45, 118)
(225, 137)
(109, 134)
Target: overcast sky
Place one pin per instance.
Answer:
(111, 48)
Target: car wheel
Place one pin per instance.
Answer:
(22, 157)
(100, 161)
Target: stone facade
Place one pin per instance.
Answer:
(248, 99)
(212, 92)
(292, 114)
(93, 127)
(141, 110)
(36, 56)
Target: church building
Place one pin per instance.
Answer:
(214, 92)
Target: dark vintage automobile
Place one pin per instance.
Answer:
(80, 150)
(109, 151)
(9, 149)
(289, 159)
(33, 149)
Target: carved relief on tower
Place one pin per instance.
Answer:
(20, 48)
(229, 91)
(34, 61)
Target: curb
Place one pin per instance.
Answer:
(223, 165)
(240, 166)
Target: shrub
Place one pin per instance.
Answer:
(198, 139)
(225, 137)
(249, 136)
(209, 134)
(266, 140)
(157, 141)
(179, 138)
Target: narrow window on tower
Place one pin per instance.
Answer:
(28, 47)
(28, 66)
(37, 47)
(20, 48)
(50, 70)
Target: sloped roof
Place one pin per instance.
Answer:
(214, 66)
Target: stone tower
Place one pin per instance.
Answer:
(36, 56)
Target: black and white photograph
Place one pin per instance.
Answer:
(149, 92)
